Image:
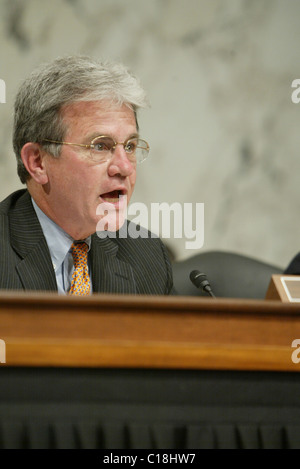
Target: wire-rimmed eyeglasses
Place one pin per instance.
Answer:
(102, 147)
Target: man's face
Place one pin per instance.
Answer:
(76, 183)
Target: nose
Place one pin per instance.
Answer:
(119, 163)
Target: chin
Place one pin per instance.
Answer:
(110, 223)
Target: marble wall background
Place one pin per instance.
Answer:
(222, 127)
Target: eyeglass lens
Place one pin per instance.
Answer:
(136, 149)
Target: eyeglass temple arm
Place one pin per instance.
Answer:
(67, 143)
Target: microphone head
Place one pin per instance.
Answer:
(198, 279)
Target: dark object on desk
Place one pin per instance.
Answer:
(294, 266)
(231, 275)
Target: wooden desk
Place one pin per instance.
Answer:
(148, 332)
(148, 372)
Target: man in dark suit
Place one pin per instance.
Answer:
(77, 144)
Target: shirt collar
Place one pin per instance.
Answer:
(59, 242)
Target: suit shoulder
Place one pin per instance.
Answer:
(11, 201)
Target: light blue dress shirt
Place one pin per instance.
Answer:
(59, 244)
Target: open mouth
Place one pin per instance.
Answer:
(112, 197)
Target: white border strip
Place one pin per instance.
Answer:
(293, 279)
(2, 351)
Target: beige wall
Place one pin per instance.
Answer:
(222, 127)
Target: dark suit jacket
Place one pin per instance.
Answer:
(120, 265)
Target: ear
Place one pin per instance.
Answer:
(32, 157)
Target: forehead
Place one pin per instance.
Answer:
(98, 117)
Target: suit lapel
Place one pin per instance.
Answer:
(110, 274)
(35, 267)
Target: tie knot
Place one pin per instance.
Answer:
(79, 252)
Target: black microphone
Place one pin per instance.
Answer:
(200, 281)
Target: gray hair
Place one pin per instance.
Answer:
(66, 80)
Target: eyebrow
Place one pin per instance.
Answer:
(94, 135)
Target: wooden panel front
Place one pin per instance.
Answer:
(139, 331)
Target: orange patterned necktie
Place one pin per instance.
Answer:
(80, 284)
